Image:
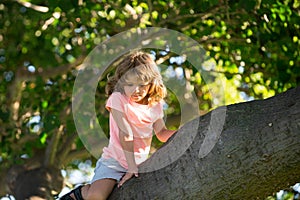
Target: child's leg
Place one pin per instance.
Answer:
(103, 182)
(98, 190)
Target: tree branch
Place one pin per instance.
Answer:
(65, 149)
(76, 154)
(24, 75)
(197, 16)
(51, 149)
(256, 153)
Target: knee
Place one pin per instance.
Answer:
(95, 195)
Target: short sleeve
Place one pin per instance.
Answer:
(161, 108)
(116, 101)
(158, 110)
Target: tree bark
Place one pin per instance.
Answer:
(37, 183)
(243, 151)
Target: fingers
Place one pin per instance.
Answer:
(122, 181)
(126, 178)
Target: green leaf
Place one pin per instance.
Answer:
(43, 137)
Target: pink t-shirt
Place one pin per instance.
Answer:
(141, 119)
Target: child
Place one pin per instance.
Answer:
(135, 102)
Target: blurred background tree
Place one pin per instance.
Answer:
(253, 46)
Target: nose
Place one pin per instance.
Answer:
(137, 89)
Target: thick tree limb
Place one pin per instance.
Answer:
(256, 153)
(24, 75)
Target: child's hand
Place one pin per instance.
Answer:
(128, 176)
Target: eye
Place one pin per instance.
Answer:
(144, 85)
(129, 84)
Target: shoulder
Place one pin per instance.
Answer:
(117, 101)
(160, 104)
(158, 107)
(117, 95)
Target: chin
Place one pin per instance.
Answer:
(136, 99)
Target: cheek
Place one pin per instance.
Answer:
(145, 90)
(128, 90)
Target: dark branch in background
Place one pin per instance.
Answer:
(198, 17)
(77, 154)
(24, 75)
(51, 149)
(65, 148)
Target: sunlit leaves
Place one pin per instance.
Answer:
(252, 46)
(282, 11)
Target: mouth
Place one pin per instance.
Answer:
(135, 96)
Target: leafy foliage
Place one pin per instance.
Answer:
(253, 46)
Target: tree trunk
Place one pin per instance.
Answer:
(38, 183)
(242, 151)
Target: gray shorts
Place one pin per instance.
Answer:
(108, 168)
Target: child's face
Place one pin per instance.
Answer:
(136, 89)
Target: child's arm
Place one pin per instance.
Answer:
(162, 133)
(126, 140)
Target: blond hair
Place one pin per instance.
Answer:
(146, 70)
